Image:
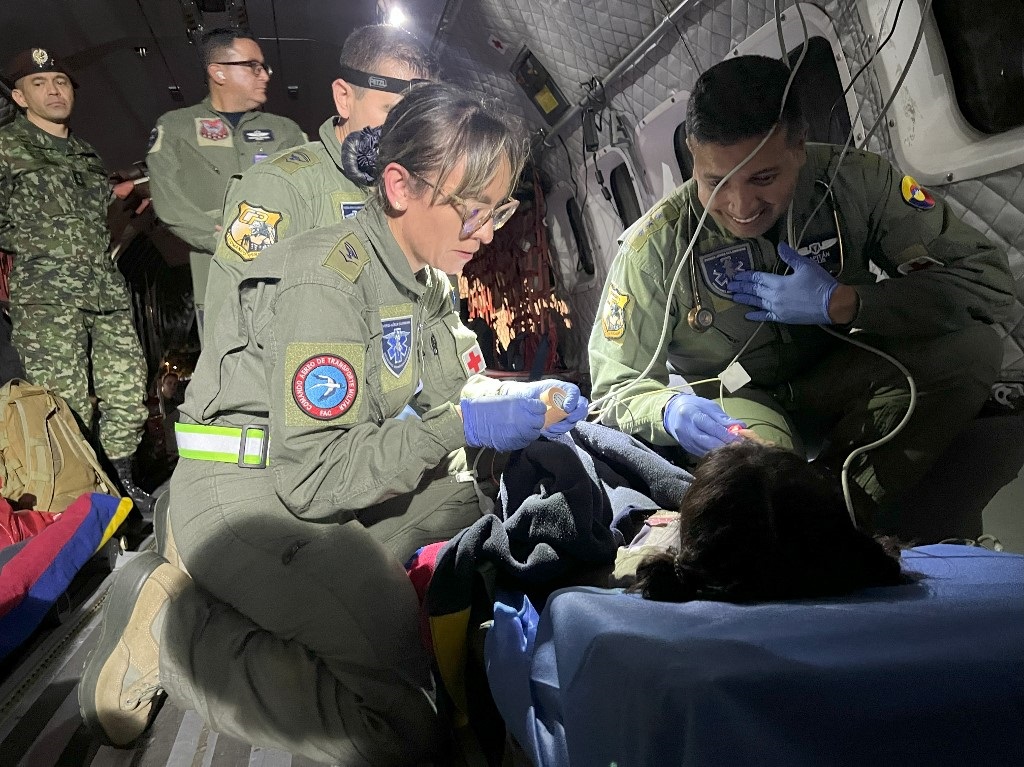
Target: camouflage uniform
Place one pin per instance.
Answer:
(300, 189)
(329, 339)
(65, 290)
(193, 154)
(948, 285)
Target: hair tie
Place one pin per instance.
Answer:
(359, 155)
(679, 568)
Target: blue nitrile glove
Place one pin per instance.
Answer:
(576, 405)
(800, 298)
(511, 642)
(698, 424)
(502, 423)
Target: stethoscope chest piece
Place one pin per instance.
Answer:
(700, 318)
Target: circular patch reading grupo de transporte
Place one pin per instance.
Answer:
(325, 386)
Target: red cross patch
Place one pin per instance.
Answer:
(473, 359)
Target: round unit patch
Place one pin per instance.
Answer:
(915, 195)
(325, 386)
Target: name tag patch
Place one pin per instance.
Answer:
(825, 253)
(720, 266)
(258, 134)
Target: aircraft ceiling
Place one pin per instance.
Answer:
(121, 92)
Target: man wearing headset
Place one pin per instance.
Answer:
(306, 187)
(789, 249)
(193, 152)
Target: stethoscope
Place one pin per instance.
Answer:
(700, 318)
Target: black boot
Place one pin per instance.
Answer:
(143, 500)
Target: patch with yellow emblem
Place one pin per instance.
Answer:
(613, 320)
(253, 230)
(915, 195)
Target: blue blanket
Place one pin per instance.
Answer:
(930, 673)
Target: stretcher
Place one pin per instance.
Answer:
(929, 673)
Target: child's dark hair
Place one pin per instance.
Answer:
(759, 523)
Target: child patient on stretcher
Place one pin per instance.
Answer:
(760, 523)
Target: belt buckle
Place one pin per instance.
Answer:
(264, 447)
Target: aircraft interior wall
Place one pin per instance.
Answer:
(579, 41)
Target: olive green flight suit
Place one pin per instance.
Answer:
(309, 642)
(70, 307)
(192, 156)
(946, 286)
(300, 189)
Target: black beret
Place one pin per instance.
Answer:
(31, 61)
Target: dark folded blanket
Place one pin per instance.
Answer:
(556, 507)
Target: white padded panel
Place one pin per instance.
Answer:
(580, 39)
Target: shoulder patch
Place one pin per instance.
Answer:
(613, 318)
(348, 257)
(915, 195)
(252, 231)
(212, 131)
(653, 222)
(323, 386)
(296, 160)
(155, 139)
(473, 360)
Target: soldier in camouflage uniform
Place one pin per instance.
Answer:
(307, 187)
(947, 286)
(195, 151)
(67, 296)
(343, 352)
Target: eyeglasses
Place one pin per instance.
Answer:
(257, 67)
(474, 218)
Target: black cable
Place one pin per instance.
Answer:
(572, 173)
(277, 40)
(156, 42)
(668, 15)
(864, 66)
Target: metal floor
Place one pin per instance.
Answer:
(980, 480)
(40, 725)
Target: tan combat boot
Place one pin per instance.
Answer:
(121, 681)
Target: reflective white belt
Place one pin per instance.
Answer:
(246, 446)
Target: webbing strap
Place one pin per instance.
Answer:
(246, 446)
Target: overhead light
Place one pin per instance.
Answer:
(293, 91)
(397, 17)
(140, 50)
(175, 93)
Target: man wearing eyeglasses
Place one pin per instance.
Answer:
(306, 187)
(194, 152)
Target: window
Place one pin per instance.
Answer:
(586, 262)
(984, 43)
(624, 195)
(819, 90)
(683, 156)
